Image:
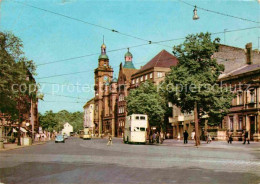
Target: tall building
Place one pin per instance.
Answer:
(105, 95)
(123, 87)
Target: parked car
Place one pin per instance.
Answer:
(59, 138)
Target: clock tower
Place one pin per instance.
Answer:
(103, 77)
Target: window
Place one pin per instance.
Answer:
(146, 77)
(133, 81)
(240, 123)
(231, 122)
(142, 129)
(142, 117)
(151, 75)
(137, 117)
(137, 81)
(159, 74)
(240, 98)
(252, 96)
(141, 78)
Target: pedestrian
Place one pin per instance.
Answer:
(109, 143)
(154, 136)
(161, 137)
(185, 136)
(157, 138)
(246, 137)
(230, 137)
(208, 138)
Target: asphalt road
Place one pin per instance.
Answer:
(91, 161)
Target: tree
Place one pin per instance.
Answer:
(54, 121)
(192, 84)
(146, 100)
(15, 70)
(16, 79)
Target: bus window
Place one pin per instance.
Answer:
(142, 129)
(137, 117)
(142, 117)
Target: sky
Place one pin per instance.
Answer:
(50, 37)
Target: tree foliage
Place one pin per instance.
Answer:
(146, 100)
(16, 71)
(195, 79)
(51, 121)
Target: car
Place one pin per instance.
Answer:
(65, 136)
(59, 138)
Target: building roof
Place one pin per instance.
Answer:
(128, 54)
(163, 59)
(91, 101)
(129, 64)
(242, 70)
(103, 56)
(128, 72)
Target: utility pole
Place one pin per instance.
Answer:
(32, 119)
(1, 134)
(19, 122)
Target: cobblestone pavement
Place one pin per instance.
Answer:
(91, 161)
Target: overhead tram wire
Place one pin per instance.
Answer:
(88, 55)
(65, 96)
(63, 102)
(220, 13)
(88, 23)
(65, 74)
(162, 41)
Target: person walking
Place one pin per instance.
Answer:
(109, 143)
(154, 136)
(157, 138)
(208, 138)
(230, 138)
(246, 137)
(185, 136)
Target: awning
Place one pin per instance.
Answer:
(14, 130)
(23, 130)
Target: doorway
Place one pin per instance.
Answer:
(252, 127)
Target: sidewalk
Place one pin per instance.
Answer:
(214, 144)
(8, 147)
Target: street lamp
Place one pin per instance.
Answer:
(195, 16)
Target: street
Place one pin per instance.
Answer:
(91, 161)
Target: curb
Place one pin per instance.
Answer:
(18, 147)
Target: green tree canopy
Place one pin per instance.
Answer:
(54, 121)
(193, 83)
(16, 76)
(146, 100)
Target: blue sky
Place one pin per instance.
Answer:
(48, 37)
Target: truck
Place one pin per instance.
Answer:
(136, 128)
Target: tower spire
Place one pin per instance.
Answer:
(103, 46)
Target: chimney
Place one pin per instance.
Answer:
(249, 53)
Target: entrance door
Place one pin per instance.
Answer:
(252, 127)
